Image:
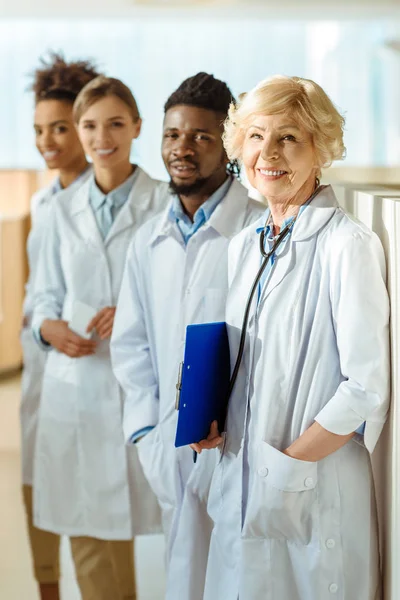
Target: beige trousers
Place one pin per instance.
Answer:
(45, 546)
(104, 569)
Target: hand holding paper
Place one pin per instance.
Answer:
(81, 315)
(58, 334)
(103, 322)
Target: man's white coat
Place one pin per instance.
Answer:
(167, 286)
(316, 349)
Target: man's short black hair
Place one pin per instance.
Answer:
(203, 91)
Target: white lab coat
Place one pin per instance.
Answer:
(34, 358)
(86, 481)
(317, 349)
(167, 286)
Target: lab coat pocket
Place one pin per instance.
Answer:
(283, 499)
(158, 467)
(63, 368)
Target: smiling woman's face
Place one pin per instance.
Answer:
(106, 130)
(56, 137)
(279, 158)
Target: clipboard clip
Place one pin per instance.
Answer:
(179, 386)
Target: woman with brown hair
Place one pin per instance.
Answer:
(88, 484)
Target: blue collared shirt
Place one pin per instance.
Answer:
(186, 226)
(270, 239)
(118, 197)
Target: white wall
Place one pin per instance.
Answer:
(379, 209)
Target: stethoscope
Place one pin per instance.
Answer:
(266, 256)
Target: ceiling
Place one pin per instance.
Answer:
(284, 9)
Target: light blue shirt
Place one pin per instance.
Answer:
(270, 239)
(107, 206)
(186, 226)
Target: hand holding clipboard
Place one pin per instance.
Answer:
(203, 388)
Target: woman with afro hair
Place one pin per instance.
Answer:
(56, 84)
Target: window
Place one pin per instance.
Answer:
(152, 56)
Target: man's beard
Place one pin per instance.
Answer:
(188, 189)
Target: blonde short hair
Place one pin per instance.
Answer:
(301, 99)
(99, 88)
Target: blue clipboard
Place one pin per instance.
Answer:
(203, 383)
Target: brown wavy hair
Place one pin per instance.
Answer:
(57, 79)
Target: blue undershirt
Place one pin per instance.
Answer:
(186, 226)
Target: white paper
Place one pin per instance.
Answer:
(81, 316)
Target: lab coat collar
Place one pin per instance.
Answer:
(52, 189)
(227, 219)
(82, 211)
(164, 226)
(320, 210)
(312, 218)
(137, 202)
(46, 194)
(81, 199)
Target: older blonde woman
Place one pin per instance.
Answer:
(292, 498)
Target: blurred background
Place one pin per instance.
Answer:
(350, 47)
(357, 61)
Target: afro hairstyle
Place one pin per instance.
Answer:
(57, 79)
(203, 91)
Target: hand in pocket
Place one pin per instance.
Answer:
(283, 499)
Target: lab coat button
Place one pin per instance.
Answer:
(330, 543)
(333, 588)
(263, 471)
(309, 481)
